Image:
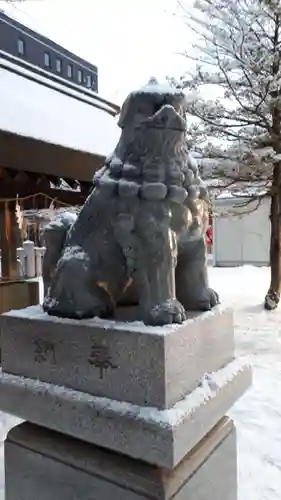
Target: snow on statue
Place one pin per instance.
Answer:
(141, 232)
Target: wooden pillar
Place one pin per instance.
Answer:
(8, 239)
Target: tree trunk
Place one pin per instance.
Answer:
(273, 295)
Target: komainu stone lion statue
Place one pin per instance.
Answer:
(141, 232)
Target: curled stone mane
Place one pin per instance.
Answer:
(146, 166)
(143, 164)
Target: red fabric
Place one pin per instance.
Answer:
(209, 236)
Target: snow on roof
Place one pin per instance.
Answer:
(243, 193)
(17, 64)
(225, 195)
(215, 182)
(34, 106)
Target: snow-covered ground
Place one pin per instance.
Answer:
(258, 413)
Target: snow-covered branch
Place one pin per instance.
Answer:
(237, 48)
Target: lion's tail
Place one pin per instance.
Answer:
(54, 236)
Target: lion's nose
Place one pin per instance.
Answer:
(166, 114)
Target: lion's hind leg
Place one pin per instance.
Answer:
(55, 234)
(74, 292)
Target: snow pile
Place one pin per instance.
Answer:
(257, 414)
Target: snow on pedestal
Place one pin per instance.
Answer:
(257, 414)
(155, 395)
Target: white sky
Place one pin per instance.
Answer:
(129, 40)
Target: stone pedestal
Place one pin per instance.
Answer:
(125, 411)
(45, 465)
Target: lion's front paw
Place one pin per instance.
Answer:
(209, 299)
(171, 311)
(205, 301)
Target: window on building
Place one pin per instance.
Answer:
(21, 47)
(69, 70)
(47, 60)
(79, 76)
(58, 65)
(94, 82)
(89, 81)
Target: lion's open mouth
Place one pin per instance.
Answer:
(166, 117)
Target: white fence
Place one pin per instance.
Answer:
(29, 258)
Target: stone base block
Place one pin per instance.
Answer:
(45, 465)
(161, 437)
(124, 361)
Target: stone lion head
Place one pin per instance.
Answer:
(151, 160)
(153, 125)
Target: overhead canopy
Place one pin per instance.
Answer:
(49, 127)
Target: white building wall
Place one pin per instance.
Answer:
(241, 239)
